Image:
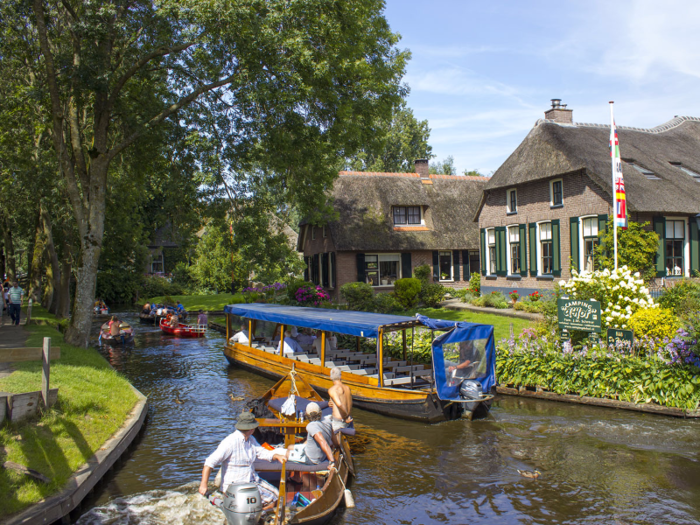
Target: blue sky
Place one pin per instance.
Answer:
(482, 73)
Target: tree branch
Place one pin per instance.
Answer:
(167, 112)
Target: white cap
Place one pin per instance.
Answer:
(312, 408)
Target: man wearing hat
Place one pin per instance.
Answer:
(236, 455)
(317, 446)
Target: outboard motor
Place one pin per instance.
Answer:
(242, 504)
(471, 389)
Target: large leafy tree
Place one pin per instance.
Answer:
(290, 85)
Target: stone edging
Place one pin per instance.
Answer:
(505, 312)
(83, 480)
(597, 401)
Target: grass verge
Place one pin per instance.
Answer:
(93, 403)
(192, 303)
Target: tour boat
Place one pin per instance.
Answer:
(183, 330)
(397, 386)
(126, 335)
(308, 494)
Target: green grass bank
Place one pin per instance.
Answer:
(193, 303)
(93, 403)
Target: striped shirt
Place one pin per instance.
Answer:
(236, 457)
(15, 295)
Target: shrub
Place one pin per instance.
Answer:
(291, 290)
(681, 296)
(181, 276)
(535, 296)
(654, 322)
(422, 272)
(475, 282)
(432, 294)
(636, 246)
(407, 291)
(492, 300)
(514, 295)
(155, 286)
(359, 296)
(385, 303)
(620, 294)
(310, 295)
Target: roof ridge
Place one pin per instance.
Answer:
(413, 175)
(666, 126)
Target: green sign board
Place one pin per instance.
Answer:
(564, 334)
(576, 314)
(616, 336)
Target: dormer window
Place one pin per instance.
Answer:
(690, 172)
(650, 175)
(407, 215)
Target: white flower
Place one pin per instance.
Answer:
(562, 283)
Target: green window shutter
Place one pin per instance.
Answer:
(556, 248)
(306, 268)
(694, 246)
(324, 270)
(361, 277)
(533, 248)
(573, 234)
(406, 268)
(483, 252)
(334, 282)
(436, 266)
(660, 229)
(455, 265)
(501, 261)
(523, 250)
(466, 273)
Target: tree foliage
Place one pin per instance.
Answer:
(636, 249)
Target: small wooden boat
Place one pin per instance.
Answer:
(147, 318)
(183, 330)
(322, 487)
(126, 335)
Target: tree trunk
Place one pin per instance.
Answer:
(11, 264)
(2, 259)
(54, 275)
(81, 321)
(37, 263)
(63, 308)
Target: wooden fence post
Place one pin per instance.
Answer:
(46, 369)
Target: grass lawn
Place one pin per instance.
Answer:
(501, 324)
(93, 403)
(192, 303)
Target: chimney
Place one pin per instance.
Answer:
(422, 168)
(559, 113)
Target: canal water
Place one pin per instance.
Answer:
(597, 465)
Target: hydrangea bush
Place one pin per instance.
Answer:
(619, 291)
(311, 296)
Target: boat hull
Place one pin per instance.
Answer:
(181, 331)
(118, 340)
(147, 319)
(414, 405)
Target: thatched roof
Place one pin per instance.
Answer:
(364, 201)
(552, 149)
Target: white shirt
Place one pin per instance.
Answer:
(236, 457)
(240, 337)
(289, 344)
(317, 346)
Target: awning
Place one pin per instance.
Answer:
(363, 324)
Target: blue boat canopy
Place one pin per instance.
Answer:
(362, 324)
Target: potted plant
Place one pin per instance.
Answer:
(514, 296)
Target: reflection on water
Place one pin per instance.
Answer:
(598, 465)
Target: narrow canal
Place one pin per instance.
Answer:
(597, 465)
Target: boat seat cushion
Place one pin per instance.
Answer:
(260, 465)
(301, 403)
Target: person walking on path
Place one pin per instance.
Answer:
(15, 298)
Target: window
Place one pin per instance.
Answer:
(546, 253)
(690, 172)
(512, 206)
(675, 237)
(590, 241)
(556, 190)
(158, 264)
(491, 251)
(313, 233)
(514, 249)
(382, 269)
(446, 266)
(644, 171)
(324, 231)
(406, 215)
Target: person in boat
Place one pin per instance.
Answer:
(180, 309)
(305, 337)
(174, 321)
(317, 446)
(241, 336)
(236, 455)
(341, 403)
(202, 318)
(146, 309)
(317, 343)
(114, 326)
(290, 345)
(467, 356)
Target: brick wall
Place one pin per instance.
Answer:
(581, 196)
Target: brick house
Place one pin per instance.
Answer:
(541, 212)
(389, 223)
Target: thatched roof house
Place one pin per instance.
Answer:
(556, 188)
(390, 223)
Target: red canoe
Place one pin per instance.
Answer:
(183, 330)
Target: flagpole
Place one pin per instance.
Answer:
(614, 191)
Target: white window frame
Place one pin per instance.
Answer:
(685, 271)
(509, 210)
(407, 224)
(582, 239)
(313, 233)
(516, 227)
(539, 249)
(450, 278)
(379, 268)
(488, 249)
(551, 193)
(160, 259)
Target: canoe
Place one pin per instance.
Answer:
(126, 335)
(389, 385)
(147, 318)
(183, 330)
(324, 488)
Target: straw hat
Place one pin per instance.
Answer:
(246, 421)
